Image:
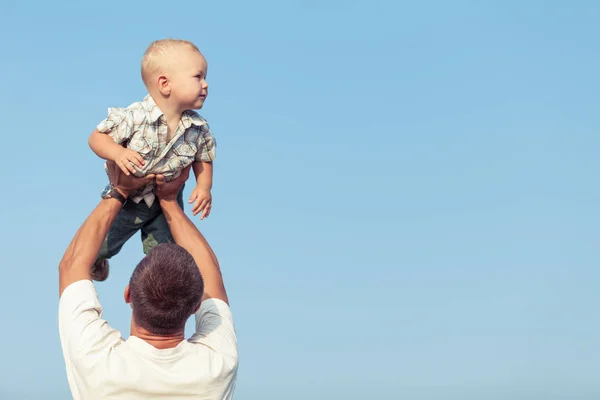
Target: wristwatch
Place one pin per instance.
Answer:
(111, 192)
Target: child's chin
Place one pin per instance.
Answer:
(198, 104)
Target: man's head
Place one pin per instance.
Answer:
(165, 289)
(176, 71)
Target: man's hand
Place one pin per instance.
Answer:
(203, 200)
(126, 158)
(169, 190)
(125, 183)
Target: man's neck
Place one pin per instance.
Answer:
(158, 341)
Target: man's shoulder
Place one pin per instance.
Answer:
(215, 329)
(213, 304)
(82, 330)
(79, 290)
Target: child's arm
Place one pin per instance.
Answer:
(105, 147)
(201, 193)
(204, 174)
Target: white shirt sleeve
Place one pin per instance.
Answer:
(83, 332)
(215, 329)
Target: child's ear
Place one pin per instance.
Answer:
(164, 85)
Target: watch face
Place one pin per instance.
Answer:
(105, 192)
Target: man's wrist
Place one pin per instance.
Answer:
(168, 202)
(123, 192)
(113, 192)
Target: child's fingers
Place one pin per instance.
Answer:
(123, 168)
(124, 163)
(197, 207)
(201, 207)
(130, 167)
(206, 211)
(139, 160)
(133, 160)
(193, 197)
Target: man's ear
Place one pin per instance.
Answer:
(164, 86)
(127, 295)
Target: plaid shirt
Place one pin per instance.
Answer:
(143, 128)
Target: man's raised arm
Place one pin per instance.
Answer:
(85, 246)
(189, 237)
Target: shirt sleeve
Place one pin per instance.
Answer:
(207, 145)
(118, 125)
(81, 327)
(215, 328)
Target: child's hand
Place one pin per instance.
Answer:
(126, 158)
(203, 201)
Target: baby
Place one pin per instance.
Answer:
(159, 135)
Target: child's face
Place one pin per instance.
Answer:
(188, 80)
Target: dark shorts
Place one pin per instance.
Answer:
(138, 216)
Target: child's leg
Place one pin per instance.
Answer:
(156, 230)
(129, 220)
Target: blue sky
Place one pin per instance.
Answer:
(405, 198)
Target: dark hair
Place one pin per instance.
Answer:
(165, 288)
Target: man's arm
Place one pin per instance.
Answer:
(85, 246)
(189, 237)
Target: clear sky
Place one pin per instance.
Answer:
(406, 193)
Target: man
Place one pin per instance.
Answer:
(171, 283)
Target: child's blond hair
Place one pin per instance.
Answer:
(158, 54)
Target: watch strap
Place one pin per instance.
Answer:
(113, 193)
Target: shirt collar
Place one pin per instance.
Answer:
(142, 347)
(188, 117)
(154, 111)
